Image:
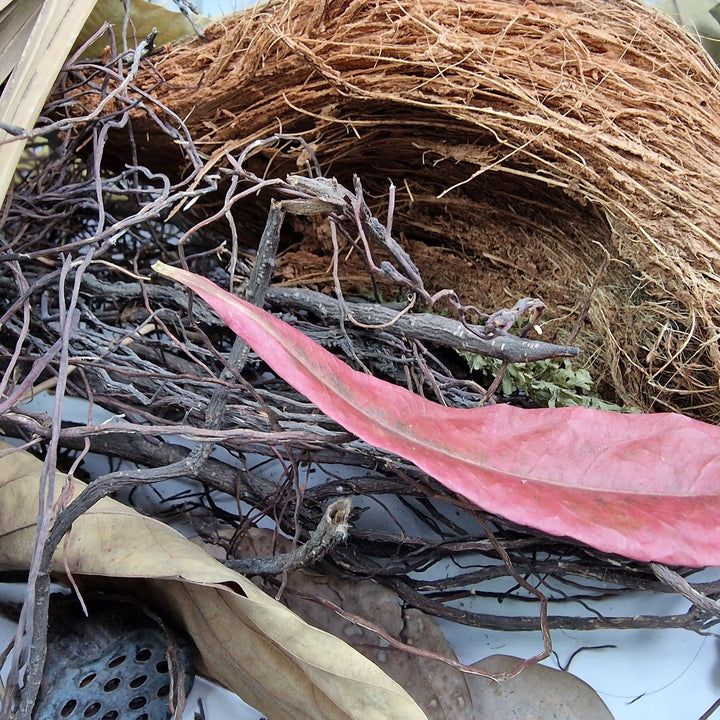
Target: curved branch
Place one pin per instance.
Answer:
(425, 327)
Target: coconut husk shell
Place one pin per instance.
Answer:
(527, 142)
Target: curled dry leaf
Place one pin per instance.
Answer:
(246, 640)
(16, 22)
(643, 486)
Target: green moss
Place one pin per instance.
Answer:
(550, 383)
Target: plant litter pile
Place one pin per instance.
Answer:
(528, 143)
(420, 188)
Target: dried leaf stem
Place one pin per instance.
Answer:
(332, 529)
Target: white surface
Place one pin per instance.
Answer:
(218, 703)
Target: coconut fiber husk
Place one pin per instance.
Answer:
(526, 141)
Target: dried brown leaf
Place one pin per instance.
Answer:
(246, 640)
(440, 690)
(537, 693)
(444, 693)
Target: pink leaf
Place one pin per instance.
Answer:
(642, 486)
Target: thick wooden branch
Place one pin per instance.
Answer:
(425, 327)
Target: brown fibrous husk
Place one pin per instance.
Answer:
(526, 140)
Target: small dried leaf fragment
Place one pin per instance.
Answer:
(537, 693)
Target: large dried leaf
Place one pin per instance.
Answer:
(17, 18)
(33, 71)
(246, 640)
(442, 691)
(643, 486)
